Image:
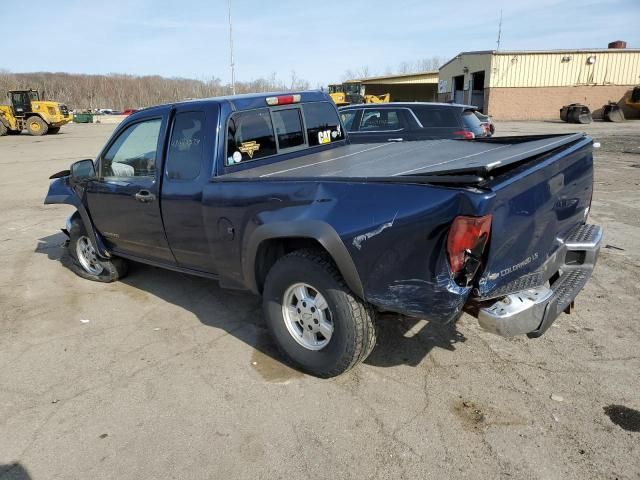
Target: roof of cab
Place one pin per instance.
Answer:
(256, 100)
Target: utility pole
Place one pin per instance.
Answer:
(499, 31)
(233, 71)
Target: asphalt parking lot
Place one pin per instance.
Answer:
(163, 375)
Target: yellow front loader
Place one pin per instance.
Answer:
(634, 99)
(338, 95)
(353, 92)
(27, 112)
(386, 98)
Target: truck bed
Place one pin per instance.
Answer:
(398, 159)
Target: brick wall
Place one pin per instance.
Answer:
(544, 103)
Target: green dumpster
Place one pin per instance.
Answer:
(83, 118)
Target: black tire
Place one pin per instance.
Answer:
(112, 269)
(354, 330)
(37, 126)
(53, 130)
(3, 129)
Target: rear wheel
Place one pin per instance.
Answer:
(36, 126)
(86, 262)
(317, 322)
(53, 130)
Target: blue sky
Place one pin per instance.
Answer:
(190, 38)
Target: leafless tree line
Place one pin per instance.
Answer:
(421, 65)
(120, 91)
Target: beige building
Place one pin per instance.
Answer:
(411, 87)
(522, 85)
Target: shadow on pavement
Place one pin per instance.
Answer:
(401, 340)
(408, 341)
(14, 471)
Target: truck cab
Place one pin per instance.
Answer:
(174, 151)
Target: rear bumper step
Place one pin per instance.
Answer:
(531, 311)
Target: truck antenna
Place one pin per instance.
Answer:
(233, 71)
(499, 31)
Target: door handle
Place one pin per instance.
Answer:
(145, 196)
(395, 140)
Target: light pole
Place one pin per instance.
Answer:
(233, 71)
(499, 31)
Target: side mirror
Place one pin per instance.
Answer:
(83, 170)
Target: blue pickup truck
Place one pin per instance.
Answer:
(265, 193)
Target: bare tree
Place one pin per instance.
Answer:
(404, 67)
(421, 65)
(119, 91)
(362, 72)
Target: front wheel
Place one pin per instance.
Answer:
(37, 126)
(86, 262)
(316, 321)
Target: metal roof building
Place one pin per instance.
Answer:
(420, 86)
(518, 85)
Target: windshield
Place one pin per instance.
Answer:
(482, 117)
(471, 121)
(352, 88)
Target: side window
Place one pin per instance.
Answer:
(380, 120)
(288, 125)
(184, 156)
(133, 154)
(323, 124)
(347, 119)
(250, 136)
(437, 117)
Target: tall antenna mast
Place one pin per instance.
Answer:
(499, 31)
(233, 71)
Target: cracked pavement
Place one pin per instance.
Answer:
(173, 377)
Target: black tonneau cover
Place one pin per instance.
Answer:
(395, 159)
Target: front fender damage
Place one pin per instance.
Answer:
(62, 192)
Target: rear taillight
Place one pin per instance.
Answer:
(467, 239)
(466, 134)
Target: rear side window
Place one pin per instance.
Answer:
(250, 136)
(380, 120)
(185, 148)
(437, 117)
(323, 124)
(288, 126)
(347, 119)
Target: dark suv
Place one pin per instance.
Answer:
(389, 122)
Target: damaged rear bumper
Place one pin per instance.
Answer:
(532, 311)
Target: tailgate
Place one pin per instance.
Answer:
(536, 206)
